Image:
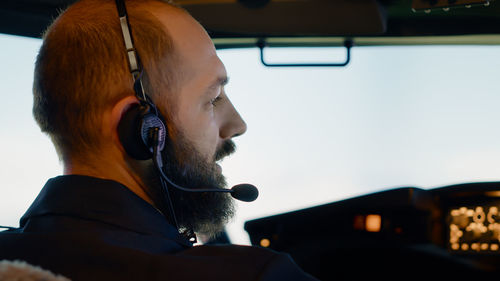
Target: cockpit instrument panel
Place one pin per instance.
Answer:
(474, 228)
(449, 230)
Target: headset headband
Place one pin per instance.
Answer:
(132, 55)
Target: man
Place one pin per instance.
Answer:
(110, 216)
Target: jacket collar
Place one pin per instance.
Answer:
(101, 200)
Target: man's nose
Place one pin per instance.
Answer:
(233, 125)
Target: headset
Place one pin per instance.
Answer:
(142, 130)
(136, 125)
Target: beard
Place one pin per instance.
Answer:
(201, 212)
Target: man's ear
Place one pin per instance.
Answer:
(115, 115)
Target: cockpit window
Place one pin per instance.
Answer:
(422, 116)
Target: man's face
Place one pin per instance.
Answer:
(202, 110)
(204, 118)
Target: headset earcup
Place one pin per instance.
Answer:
(133, 131)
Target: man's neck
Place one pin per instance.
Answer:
(110, 170)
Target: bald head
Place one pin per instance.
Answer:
(82, 69)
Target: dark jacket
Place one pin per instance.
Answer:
(92, 229)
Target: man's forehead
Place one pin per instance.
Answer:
(187, 34)
(192, 46)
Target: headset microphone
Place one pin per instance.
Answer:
(243, 192)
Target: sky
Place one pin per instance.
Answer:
(395, 116)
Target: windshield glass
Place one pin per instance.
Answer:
(422, 116)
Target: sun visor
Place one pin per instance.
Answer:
(223, 18)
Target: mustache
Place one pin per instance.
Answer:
(227, 148)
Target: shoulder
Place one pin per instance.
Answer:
(69, 255)
(246, 262)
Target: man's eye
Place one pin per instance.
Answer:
(215, 100)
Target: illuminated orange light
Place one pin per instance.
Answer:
(494, 247)
(484, 246)
(492, 213)
(475, 246)
(265, 242)
(479, 215)
(465, 247)
(373, 223)
(493, 193)
(455, 246)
